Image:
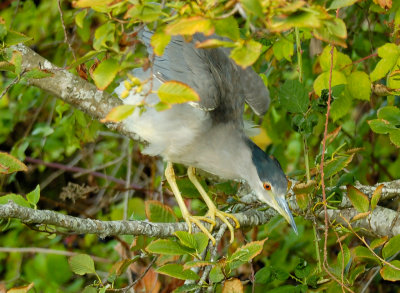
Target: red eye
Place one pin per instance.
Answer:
(267, 186)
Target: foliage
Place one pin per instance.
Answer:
(305, 51)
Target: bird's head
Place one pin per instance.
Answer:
(271, 184)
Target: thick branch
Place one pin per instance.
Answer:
(72, 89)
(381, 222)
(107, 228)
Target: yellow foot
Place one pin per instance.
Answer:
(196, 220)
(215, 213)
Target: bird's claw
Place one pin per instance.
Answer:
(197, 221)
(213, 213)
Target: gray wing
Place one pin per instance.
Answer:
(221, 84)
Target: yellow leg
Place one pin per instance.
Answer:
(170, 175)
(212, 209)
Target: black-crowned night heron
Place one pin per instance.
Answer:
(208, 134)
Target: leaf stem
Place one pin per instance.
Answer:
(306, 159)
(317, 253)
(299, 55)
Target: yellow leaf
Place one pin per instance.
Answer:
(119, 113)
(175, 92)
(190, 26)
(232, 286)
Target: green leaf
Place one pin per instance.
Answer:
(119, 113)
(105, 73)
(394, 136)
(342, 260)
(306, 19)
(216, 274)
(80, 17)
(10, 164)
(325, 58)
(389, 54)
(105, 37)
(283, 48)
(358, 199)
(356, 272)
(166, 246)
(336, 165)
(381, 126)
(197, 263)
(227, 27)
(333, 31)
(33, 196)
(390, 114)
(382, 68)
(17, 61)
(376, 197)
(390, 274)
(177, 271)
(7, 66)
(378, 242)
(341, 105)
(280, 274)
(159, 42)
(293, 97)
(389, 50)
(16, 198)
(36, 73)
(201, 241)
(175, 92)
(263, 276)
(3, 31)
(197, 241)
(322, 81)
(159, 213)
(190, 26)
(82, 264)
(14, 38)
(365, 253)
(146, 12)
(391, 247)
(89, 55)
(187, 288)
(214, 43)
(359, 85)
(120, 267)
(341, 3)
(186, 239)
(245, 253)
(253, 7)
(247, 53)
(302, 270)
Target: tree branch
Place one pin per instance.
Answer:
(72, 89)
(381, 222)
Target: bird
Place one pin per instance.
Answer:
(208, 134)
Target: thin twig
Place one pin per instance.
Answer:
(137, 280)
(66, 40)
(15, 14)
(49, 251)
(127, 180)
(79, 170)
(9, 86)
(100, 167)
(214, 252)
(369, 248)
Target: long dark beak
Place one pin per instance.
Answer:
(284, 210)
